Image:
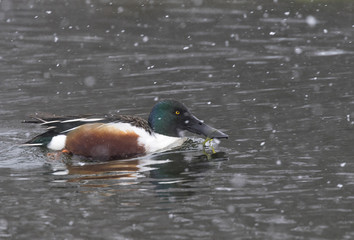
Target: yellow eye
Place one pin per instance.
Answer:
(178, 112)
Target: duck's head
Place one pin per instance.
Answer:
(171, 118)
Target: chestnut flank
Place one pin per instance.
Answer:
(103, 141)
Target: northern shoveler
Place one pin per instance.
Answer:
(122, 136)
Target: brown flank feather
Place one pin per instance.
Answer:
(102, 141)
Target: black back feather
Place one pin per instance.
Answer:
(62, 125)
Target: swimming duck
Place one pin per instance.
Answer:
(122, 136)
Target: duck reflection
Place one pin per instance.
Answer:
(126, 170)
(162, 171)
(101, 171)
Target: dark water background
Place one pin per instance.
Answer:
(277, 76)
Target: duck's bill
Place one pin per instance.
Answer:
(198, 127)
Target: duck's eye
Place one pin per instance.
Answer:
(178, 112)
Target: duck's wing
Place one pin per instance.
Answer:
(61, 125)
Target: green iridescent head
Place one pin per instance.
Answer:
(171, 118)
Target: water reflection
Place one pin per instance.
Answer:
(175, 169)
(114, 170)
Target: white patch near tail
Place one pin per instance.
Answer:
(57, 142)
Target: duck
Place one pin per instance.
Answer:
(111, 137)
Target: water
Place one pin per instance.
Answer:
(276, 76)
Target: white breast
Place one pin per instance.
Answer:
(152, 142)
(159, 143)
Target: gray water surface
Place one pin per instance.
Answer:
(277, 76)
